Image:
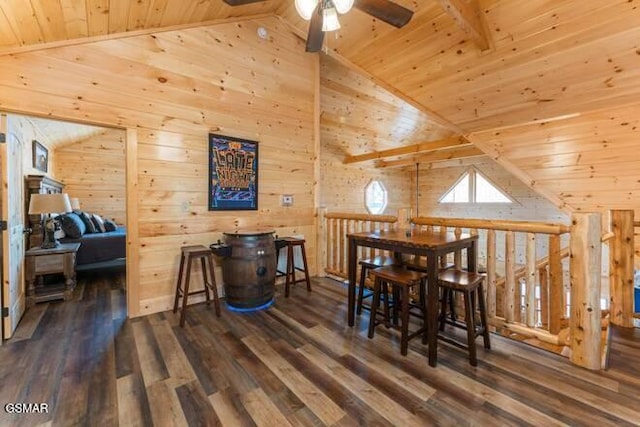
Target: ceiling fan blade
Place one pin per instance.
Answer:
(315, 37)
(240, 2)
(385, 10)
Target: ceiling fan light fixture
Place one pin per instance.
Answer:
(305, 8)
(330, 19)
(343, 6)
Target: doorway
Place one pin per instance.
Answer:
(88, 161)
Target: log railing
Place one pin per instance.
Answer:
(529, 271)
(526, 279)
(337, 226)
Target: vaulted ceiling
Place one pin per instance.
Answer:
(558, 76)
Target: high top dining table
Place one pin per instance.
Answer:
(417, 242)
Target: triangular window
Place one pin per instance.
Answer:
(473, 187)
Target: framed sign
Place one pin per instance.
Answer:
(233, 173)
(40, 156)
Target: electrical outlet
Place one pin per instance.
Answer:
(287, 200)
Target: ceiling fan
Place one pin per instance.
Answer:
(323, 15)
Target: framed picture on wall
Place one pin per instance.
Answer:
(233, 173)
(40, 156)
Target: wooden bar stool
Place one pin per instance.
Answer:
(190, 253)
(290, 274)
(470, 285)
(401, 280)
(367, 265)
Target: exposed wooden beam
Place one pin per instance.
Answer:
(454, 141)
(455, 153)
(466, 13)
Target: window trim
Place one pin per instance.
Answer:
(472, 172)
(386, 196)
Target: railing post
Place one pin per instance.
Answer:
(404, 218)
(491, 273)
(621, 255)
(511, 303)
(557, 306)
(585, 263)
(321, 251)
(530, 280)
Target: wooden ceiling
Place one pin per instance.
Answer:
(58, 133)
(496, 78)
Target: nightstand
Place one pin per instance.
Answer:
(39, 262)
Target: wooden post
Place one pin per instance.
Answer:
(544, 296)
(530, 280)
(342, 254)
(133, 238)
(491, 273)
(404, 218)
(510, 284)
(621, 255)
(321, 250)
(586, 258)
(335, 238)
(557, 304)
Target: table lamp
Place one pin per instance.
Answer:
(75, 203)
(48, 204)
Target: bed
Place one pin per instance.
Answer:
(100, 250)
(102, 242)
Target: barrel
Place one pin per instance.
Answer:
(249, 271)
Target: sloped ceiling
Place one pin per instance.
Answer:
(551, 68)
(59, 133)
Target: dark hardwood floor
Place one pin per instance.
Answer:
(293, 364)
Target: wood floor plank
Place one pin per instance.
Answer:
(323, 407)
(178, 366)
(296, 363)
(378, 401)
(130, 411)
(358, 412)
(164, 405)
(151, 362)
(263, 411)
(196, 406)
(229, 409)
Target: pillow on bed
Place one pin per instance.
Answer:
(86, 218)
(73, 226)
(110, 225)
(98, 222)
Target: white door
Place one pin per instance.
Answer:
(13, 286)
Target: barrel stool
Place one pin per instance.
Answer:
(290, 274)
(401, 280)
(366, 266)
(191, 253)
(470, 285)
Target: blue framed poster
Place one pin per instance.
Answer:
(233, 173)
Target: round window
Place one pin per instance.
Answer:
(375, 197)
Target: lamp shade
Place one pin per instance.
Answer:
(330, 20)
(343, 6)
(305, 8)
(75, 203)
(49, 203)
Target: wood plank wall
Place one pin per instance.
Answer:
(26, 132)
(93, 170)
(174, 88)
(435, 179)
(590, 162)
(358, 117)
